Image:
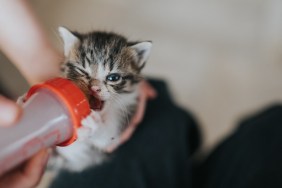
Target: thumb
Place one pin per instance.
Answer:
(9, 111)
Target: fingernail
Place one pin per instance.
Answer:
(9, 112)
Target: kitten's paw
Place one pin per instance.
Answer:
(21, 100)
(91, 119)
(89, 125)
(84, 133)
(96, 116)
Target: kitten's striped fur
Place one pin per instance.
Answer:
(94, 61)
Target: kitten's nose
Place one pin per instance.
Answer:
(96, 89)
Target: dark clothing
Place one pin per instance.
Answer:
(159, 154)
(250, 157)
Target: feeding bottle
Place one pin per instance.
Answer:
(51, 115)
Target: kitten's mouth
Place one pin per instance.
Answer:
(95, 103)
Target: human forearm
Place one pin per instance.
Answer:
(25, 43)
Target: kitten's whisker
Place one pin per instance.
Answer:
(123, 109)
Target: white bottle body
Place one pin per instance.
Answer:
(45, 122)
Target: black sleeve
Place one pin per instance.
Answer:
(249, 158)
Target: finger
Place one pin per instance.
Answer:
(146, 91)
(9, 112)
(34, 168)
(149, 90)
(127, 133)
(111, 148)
(28, 174)
(140, 110)
(135, 120)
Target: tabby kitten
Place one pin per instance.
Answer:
(107, 69)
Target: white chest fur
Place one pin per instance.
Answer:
(99, 131)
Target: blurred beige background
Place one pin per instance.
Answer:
(222, 59)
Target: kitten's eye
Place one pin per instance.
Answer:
(113, 77)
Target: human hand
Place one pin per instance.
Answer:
(9, 112)
(29, 173)
(146, 92)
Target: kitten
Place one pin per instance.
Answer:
(106, 67)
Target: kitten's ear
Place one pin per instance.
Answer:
(143, 50)
(69, 39)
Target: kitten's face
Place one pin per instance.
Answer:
(103, 65)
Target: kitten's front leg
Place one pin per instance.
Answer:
(100, 132)
(89, 125)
